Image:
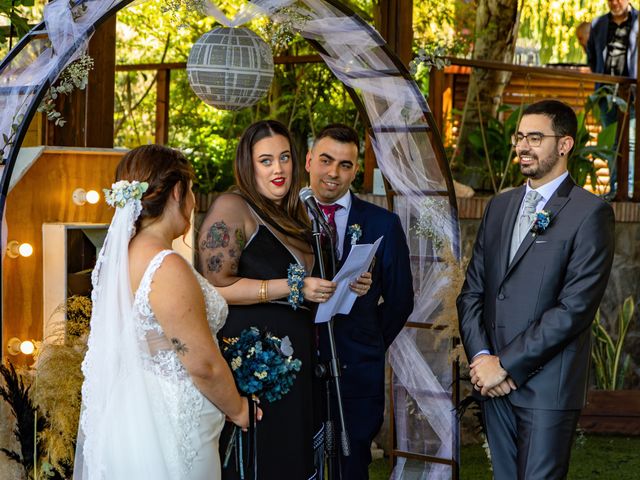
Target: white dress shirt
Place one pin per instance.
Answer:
(546, 191)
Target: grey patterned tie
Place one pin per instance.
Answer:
(525, 220)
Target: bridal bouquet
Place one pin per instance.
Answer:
(263, 367)
(262, 364)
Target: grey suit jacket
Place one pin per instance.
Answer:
(535, 313)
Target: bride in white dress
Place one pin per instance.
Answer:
(156, 387)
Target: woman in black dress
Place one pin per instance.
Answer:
(248, 239)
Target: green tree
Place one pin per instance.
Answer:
(304, 97)
(495, 39)
(551, 25)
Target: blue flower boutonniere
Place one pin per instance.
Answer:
(355, 232)
(541, 222)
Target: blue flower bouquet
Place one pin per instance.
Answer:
(263, 367)
(262, 364)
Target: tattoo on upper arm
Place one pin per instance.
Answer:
(178, 346)
(214, 264)
(241, 241)
(235, 261)
(217, 236)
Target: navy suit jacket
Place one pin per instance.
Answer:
(363, 336)
(535, 313)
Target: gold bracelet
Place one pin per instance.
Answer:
(262, 292)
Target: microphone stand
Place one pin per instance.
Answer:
(333, 370)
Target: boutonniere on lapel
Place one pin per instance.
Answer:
(541, 222)
(355, 232)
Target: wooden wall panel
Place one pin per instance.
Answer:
(44, 195)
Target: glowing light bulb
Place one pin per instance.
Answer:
(93, 197)
(27, 347)
(80, 196)
(16, 346)
(26, 250)
(16, 249)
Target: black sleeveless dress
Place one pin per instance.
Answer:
(286, 433)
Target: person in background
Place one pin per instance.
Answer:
(582, 34)
(612, 49)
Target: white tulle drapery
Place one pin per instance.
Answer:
(45, 57)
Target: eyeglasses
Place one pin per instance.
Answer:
(534, 139)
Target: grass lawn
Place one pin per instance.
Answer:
(593, 457)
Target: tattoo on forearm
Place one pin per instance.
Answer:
(178, 346)
(214, 264)
(217, 236)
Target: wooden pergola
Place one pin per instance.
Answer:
(393, 20)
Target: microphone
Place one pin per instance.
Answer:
(306, 196)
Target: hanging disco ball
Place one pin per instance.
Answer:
(230, 68)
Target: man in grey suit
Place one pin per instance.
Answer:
(539, 268)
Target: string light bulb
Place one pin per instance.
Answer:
(81, 196)
(16, 346)
(16, 249)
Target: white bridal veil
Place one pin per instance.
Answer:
(125, 426)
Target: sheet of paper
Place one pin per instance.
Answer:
(358, 261)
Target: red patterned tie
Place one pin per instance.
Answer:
(330, 213)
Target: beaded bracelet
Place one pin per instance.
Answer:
(295, 280)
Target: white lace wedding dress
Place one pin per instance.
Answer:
(189, 420)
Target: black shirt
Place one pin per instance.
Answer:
(617, 46)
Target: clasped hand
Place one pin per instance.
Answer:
(489, 378)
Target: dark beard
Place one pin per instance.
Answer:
(541, 171)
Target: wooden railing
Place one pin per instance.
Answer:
(448, 91)
(163, 80)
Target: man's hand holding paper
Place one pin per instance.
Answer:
(358, 261)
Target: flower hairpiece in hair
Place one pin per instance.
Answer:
(123, 191)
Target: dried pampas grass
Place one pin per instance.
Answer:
(56, 392)
(445, 323)
(58, 382)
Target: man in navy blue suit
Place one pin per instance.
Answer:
(363, 336)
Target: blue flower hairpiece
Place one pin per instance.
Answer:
(123, 191)
(541, 221)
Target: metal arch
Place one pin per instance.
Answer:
(30, 112)
(434, 134)
(37, 98)
(38, 95)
